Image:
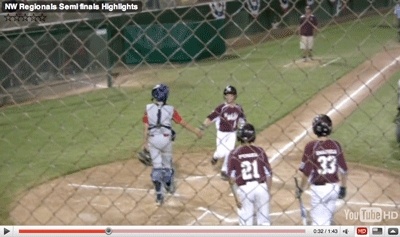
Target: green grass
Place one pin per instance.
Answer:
(369, 134)
(53, 138)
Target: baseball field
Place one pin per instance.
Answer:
(72, 160)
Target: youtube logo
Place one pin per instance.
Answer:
(362, 231)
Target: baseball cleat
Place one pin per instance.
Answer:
(214, 161)
(160, 200)
(170, 188)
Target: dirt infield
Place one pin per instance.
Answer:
(122, 194)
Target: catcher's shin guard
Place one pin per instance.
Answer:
(159, 194)
(169, 180)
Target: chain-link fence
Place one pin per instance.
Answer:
(74, 88)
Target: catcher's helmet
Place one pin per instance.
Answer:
(230, 90)
(160, 93)
(322, 125)
(246, 133)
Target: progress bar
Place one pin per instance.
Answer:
(61, 231)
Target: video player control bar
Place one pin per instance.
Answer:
(172, 231)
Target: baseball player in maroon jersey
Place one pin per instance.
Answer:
(308, 26)
(324, 167)
(158, 138)
(227, 117)
(249, 169)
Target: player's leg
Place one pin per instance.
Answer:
(310, 45)
(246, 213)
(262, 204)
(157, 144)
(157, 178)
(319, 213)
(168, 170)
(219, 149)
(303, 47)
(229, 142)
(331, 202)
(222, 150)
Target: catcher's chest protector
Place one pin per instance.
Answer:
(164, 116)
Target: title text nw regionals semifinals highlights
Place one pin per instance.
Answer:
(74, 6)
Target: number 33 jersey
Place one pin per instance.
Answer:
(322, 160)
(249, 163)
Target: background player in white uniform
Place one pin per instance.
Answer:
(227, 117)
(323, 160)
(158, 138)
(250, 170)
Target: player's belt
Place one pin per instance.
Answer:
(320, 183)
(252, 181)
(163, 134)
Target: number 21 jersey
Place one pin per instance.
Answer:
(249, 163)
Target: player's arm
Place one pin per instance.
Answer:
(178, 119)
(206, 123)
(210, 118)
(232, 180)
(189, 127)
(267, 170)
(302, 185)
(343, 179)
(342, 167)
(242, 120)
(301, 21)
(305, 168)
(314, 24)
(303, 182)
(343, 175)
(343, 187)
(269, 184)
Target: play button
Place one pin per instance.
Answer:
(6, 231)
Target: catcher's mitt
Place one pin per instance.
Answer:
(144, 157)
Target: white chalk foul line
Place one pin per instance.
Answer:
(199, 177)
(219, 216)
(335, 108)
(289, 64)
(368, 204)
(94, 187)
(362, 87)
(87, 186)
(330, 62)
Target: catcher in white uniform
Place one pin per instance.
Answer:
(227, 117)
(323, 160)
(158, 138)
(250, 174)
